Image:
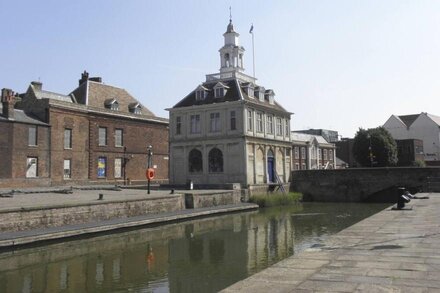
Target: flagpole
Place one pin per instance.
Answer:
(253, 49)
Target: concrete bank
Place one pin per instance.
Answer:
(392, 251)
(13, 239)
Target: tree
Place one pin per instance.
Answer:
(374, 147)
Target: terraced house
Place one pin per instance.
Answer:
(229, 129)
(98, 133)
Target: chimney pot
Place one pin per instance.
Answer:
(8, 102)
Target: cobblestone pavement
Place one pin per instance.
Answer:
(392, 251)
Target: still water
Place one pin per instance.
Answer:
(204, 255)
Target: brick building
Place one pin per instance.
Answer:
(98, 134)
(312, 152)
(409, 152)
(24, 145)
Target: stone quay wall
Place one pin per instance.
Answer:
(361, 184)
(55, 216)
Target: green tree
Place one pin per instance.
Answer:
(374, 147)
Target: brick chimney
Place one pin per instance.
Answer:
(8, 102)
(84, 77)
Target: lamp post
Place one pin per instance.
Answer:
(370, 151)
(149, 154)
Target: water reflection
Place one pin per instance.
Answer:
(204, 255)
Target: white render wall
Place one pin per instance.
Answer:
(423, 128)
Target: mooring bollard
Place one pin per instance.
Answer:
(101, 196)
(401, 198)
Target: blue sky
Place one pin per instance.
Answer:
(336, 64)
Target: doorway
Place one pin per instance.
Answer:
(270, 167)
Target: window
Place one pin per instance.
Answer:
(319, 154)
(215, 160)
(279, 127)
(303, 152)
(114, 106)
(32, 138)
(219, 92)
(67, 169)
(287, 127)
(304, 166)
(118, 138)
(67, 138)
(118, 167)
(296, 166)
(200, 95)
(137, 111)
(296, 149)
(259, 122)
(102, 167)
(195, 161)
(214, 122)
(102, 136)
(250, 124)
(325, 154)
(330, 155)
(31, 167)
(288, 152)
(195, 123)
(178, 125)
(270, 124)
(233, 121)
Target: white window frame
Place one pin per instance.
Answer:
(67, 175)
(102, 136)
(260, 124)
(67, 138)
(214, 122)
(195, 124)
(119, 140)
(33, 135)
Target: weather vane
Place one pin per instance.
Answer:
(230, 13)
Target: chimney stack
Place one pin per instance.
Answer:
(84, 77)
(37, 85)
(8, 102)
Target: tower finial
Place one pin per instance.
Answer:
(230, 14)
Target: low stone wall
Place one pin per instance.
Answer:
(203, 200)
(360, 184)
(33, 218)
(257, 189)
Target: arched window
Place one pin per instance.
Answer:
(227, 61)
(195, 161)
(215, 159)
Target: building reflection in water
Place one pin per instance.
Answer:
(204, 255)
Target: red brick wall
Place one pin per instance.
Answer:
(21, 150)
(5, 150)
(60, 119)
(137, 135)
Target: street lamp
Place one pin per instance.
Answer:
(370, 151)
(149, 155)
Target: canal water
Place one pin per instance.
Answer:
(204, 255)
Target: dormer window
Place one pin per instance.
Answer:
(201, 93)
(269, 95)
(220, 90)
(135, 108)
(249, 89)
(112, 104)
(259, 93)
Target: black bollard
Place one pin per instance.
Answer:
(101, 196)
(401, 198)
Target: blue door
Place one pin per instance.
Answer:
(270, 163)
(270, 166)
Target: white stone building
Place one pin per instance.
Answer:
(312, 152)
(421, 126)
(229, 129)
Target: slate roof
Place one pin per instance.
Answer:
(99, 94)
(20, 116)
(409, 119)
(303, 137)
(235, 92)
(42, 94)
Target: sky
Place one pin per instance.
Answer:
(337, 64)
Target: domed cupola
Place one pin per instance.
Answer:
(231, 54)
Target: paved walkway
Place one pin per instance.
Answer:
(392, 251)
(49, 197)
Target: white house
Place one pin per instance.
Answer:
(229, 129)
(421, 126)
(312, 152)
